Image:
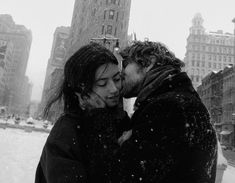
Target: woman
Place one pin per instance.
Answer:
(83, 140)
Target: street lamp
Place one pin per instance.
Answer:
(110, 41)
(107, 40)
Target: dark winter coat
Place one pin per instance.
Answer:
(172, 140)
(79, 149)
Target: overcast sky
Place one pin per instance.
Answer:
(166, 21)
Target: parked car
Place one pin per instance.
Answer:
(224, 147)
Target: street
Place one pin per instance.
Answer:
(230, 156)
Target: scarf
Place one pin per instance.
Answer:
(153, 80)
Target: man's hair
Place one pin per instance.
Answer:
(142, 53)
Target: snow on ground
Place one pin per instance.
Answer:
(19, 155)
(20, 152)
(229, 175)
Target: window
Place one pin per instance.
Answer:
(215, 49)
(115, 32)
(111, 14)
(93, 12)
(193, 56)
(117, 17)
(209, 64)
(220, 49)
(198, 56)
(203, 57)
(214, 57)
(209, 48)
(105, 14)
(220, 66)
(224, 58)
(214, 65)
(209, 57)
(109, 29)
(102, 31)
(193, 62)
(203, 63)
(192, 77)
(198, 63)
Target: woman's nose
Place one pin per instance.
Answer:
(112, 87)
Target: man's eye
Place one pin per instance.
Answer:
(117, 79)
(124, 63)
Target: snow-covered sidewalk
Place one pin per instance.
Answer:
(229, 175)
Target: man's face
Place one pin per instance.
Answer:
(133, 76)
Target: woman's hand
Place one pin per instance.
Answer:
(93, 101)
(125, 136)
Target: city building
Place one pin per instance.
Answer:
(6, 56)
(217, 92)
(20, 38)
(55, 69)
(228, 103)
(206, 52)
(98, 19)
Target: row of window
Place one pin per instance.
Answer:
(225, 58)
(195, 78)
(209, 64)
(117, 2)
(215, 49)
(206, 39)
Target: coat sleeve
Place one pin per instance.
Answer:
(58, 165)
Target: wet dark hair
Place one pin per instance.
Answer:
(142, 53)
(79, 75)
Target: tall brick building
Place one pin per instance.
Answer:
(98, 19)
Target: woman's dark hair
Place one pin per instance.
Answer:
(79, 75)
(142, 52)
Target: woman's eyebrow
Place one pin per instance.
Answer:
(105, 78)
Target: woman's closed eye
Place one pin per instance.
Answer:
(101, 83)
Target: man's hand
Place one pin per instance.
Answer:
(93, 101)
(125, 136)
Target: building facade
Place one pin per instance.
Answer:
(20, 38)
(217, 92)
(6, 56)
(206, 52)
(55, 69)
(98, 19)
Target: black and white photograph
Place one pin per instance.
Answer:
(117, 91)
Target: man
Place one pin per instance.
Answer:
(172, 138)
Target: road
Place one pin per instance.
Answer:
(230, 156)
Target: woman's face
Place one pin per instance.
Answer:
(108, 84)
